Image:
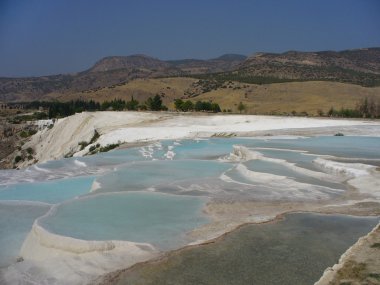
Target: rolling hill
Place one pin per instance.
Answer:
(360, 66)
(107, 72)
(265, 82)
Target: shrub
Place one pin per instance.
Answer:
(320, 112)
(32, 132)
(24, 134)
(155, 103)
(40, 115)
(18, 158)
(183, 106)
(132, 105)
(207, 106)
(108, 147)
(241, 107)
(94, 137)
(83, 144)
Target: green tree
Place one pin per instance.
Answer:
(187, 106)
(241, 107)
(198, 106)
(331, 112)
(207, 106)
(364, 108)
(178, 104)
(132, 105)
(215, 108)
(155, 103)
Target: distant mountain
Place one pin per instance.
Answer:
(360, 66)
(231, 57)
(111, 71)
(225, 62)
(129, 62)
(363, 60)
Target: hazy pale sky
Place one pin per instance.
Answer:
(42, 37)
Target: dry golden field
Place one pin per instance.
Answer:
(277, 98)
(282, 98)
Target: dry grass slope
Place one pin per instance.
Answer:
(140, 89)
(283, 98)
(277, 98)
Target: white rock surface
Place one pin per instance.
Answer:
(121, 127)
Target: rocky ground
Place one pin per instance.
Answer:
(360, 265)
(12, 137)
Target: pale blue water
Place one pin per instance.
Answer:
(155, 218)
(143, 175)
(299, 159)
(53, 191)
(344, 146)
(205, 149)
(16, 220)
(281, 170)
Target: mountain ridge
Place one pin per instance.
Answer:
(357, 66)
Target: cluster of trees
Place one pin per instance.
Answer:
(153, 104)
(204, 106)
(120, 105)
(115, 105)
(183, 106)
(367, 108)
(64, 109)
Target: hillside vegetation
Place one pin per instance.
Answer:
(290, 98)
(302, 98)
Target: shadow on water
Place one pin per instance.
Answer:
(293, 251)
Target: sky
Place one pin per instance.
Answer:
(44, 37)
